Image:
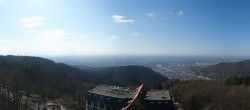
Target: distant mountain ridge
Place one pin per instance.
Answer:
(225, 69)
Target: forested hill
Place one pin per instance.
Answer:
(223, 70)
(42, 76)
(130, 75)
(36, 68)
(37, 73)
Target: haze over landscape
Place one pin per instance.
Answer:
(113, 27)
(124, 55)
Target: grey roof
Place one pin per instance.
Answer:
(113, 91)
(123, 92)
(158, 95)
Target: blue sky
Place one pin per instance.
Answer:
(125, 27)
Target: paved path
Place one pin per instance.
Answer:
(54, 104)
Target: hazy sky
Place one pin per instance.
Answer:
(125, 27)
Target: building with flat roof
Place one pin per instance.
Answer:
(106, 97)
